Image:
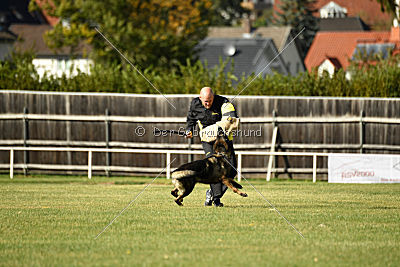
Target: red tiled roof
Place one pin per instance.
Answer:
(51, 20)
(339, 45)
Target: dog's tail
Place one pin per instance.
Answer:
(183, 174)
(235, 184)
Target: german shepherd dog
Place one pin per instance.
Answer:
(207, 171)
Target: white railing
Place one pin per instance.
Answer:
(168, 153)
(141, 119)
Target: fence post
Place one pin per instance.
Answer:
(314, 176)
(108, 135)
(26, 137)
(361, 131)
(90, 164)
(11, 163)
(168, 165)
(271, 161)
(68, 130)
(239, 167)
(275, 125)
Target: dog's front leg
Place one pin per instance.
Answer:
(179, 200)
(228, 183)
(174, 192)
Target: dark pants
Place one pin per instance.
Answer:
(219, 189)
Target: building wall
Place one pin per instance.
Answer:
(326, 66)
(58, 67)
(5, 49)
(292, 59)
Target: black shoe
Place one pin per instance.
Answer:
(218, 203)
(208, 198)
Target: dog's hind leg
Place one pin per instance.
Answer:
(186, 187)
(179, 199)
(228, 183)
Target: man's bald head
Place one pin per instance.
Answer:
(206, 97)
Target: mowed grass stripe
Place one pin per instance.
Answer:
(54, 222)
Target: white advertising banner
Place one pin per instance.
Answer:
(363, 168)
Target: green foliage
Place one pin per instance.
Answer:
(19, 72)
(227, 12)
(379, 80)
(265, 19)
(298, 15)
(153, 33)
(388, 6)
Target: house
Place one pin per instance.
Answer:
(12, 12)
(281, 37)
(22, 30)
(332, 10)
(31, 37)
(7, 40)
(368, 10)
(334, 50)
(249, 55)
(330, 65)
(16, 11)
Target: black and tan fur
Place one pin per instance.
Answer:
(207, 171)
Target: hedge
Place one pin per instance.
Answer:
(378, 80)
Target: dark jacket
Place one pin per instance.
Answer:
(206, 117)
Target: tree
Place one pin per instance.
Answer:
(152, 33)
(265, 18)
(227, 12)
(298, 15)
(389, 6)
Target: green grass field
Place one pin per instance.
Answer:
(52, 221)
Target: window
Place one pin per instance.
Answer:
(372, 51)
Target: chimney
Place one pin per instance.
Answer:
(246, 25)
(395, 34)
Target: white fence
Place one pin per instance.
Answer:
(168, 153)
(27, 144)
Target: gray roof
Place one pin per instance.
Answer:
(342, 24)
(7, 36)
(250, 55)
(17, 11)
(278, 34)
